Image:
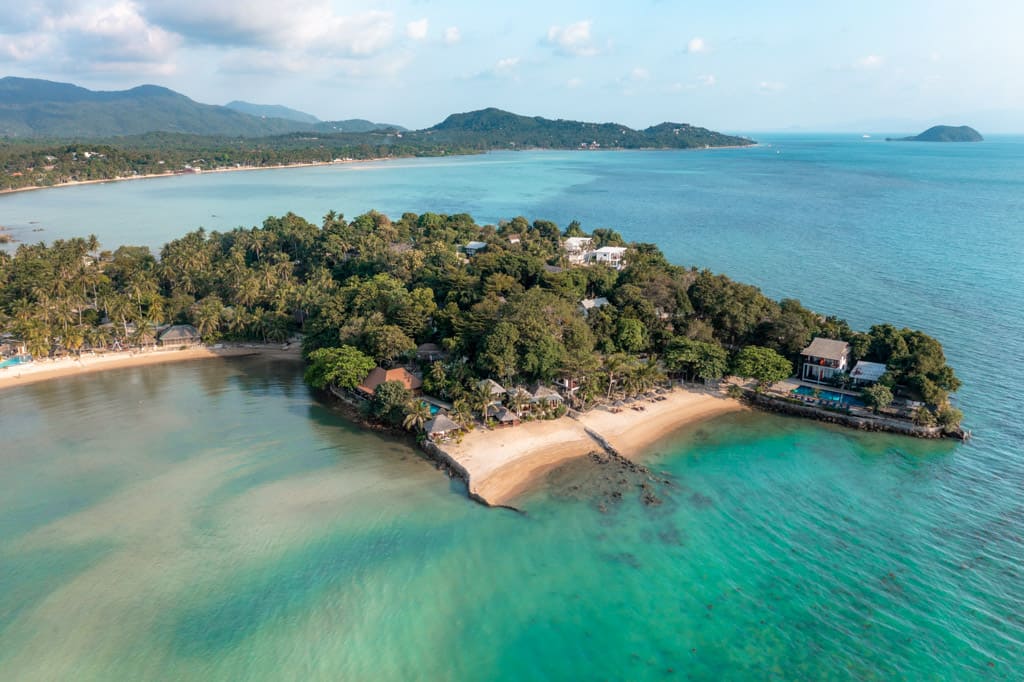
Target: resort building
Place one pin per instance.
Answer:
(823, 359)
(472, 248)
(588, 304)
(496, 389)
(577, 249)
(542, 395)
(612, 256)
(180, 335)
(430, 352)
(502, 415)
(865, 373)
(378, 375)
(440, 427)
(514, 239)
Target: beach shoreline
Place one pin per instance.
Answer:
(500, 465)
(177, 174)
(48, 370)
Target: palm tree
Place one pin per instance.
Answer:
(462, 413)
(417, 413)
(480, 399)
(518, 399)
(616, 365)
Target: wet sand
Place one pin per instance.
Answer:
(45, 370)
(503, 463)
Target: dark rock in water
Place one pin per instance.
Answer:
(606, 479)
(943, 134)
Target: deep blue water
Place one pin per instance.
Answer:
(214, 522)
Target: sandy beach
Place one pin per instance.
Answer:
(503, 463)
(175, 174)
(45, 370)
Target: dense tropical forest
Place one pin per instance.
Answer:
(368, 291)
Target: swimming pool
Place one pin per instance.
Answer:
(16, 360)
(832, 396)
(434, 409)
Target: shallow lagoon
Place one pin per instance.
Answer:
(212, 520)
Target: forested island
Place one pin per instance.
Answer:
(588, 318)
(944, 134)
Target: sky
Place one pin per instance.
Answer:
(727, 65)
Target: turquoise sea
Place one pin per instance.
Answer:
(215, 521)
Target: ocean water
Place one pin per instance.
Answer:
(213, 520)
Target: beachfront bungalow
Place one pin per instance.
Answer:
(542, 395)
(823, 359)
(180, 335)
(611, 256)
(502, 415)
(496, 389)
(378, 375)
(866, 373)
(588, 304)
(441, 427)
(577, 248)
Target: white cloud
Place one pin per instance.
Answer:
(639, 73)
(417, 30)
(79, 36)
(452, 35)
(306, 25)
(707, 79)
(871, 61)
(770, 86)
(506, 64)
(574, 39)
(696, 45)
(574, 83)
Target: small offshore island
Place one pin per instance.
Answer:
(508, 349)
(943, 134)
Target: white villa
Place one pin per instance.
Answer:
(866, 373)
(577, 249)
(588, 304)
(823, 359)
(612, 256)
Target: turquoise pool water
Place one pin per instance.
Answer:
(16, 360)
(830, 395)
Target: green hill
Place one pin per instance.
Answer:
(496, 129)
(272, 111)
(38, 108)
(946, 134)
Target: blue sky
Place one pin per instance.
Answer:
(737, 66)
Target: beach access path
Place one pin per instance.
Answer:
(45, 370)
(503, 463)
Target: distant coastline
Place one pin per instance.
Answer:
(311, 164)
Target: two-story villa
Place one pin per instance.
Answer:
(823, 359)
(612, 256)
(577, 248)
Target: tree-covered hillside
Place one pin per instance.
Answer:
(511, 312)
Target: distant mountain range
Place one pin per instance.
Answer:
(272, 111)
(39, 108)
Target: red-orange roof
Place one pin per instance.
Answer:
(378, 375)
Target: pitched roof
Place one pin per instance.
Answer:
(180, 332)
(868, 371)
(476, 246)
(378, 375)
(830, 349)
(589, 303)
(440, 424)
(501, 413)
(543, 393)
(493, 386)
